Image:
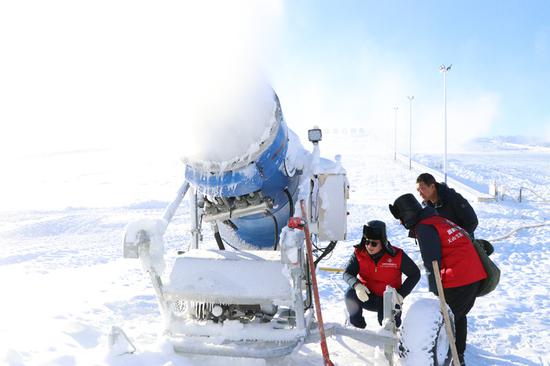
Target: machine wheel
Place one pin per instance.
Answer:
(441, 350)
(423, 336)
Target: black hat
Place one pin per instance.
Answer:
(407, 209)
(376, 230)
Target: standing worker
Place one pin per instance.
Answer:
(448, 203)
(461, 269)
(375, 264)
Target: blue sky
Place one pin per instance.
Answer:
(500, 52)
(121, 72)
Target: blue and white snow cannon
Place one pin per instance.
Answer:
(255, 193)
(246, 300)
(250, 300)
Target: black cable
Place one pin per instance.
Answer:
(329, 248)
(227, 242)
(309, 296)
(276, 224)
(231, 224)
(290, 202)
(217, 235)
(219, 241)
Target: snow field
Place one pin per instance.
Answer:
(64, 282)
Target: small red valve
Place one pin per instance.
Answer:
(296, 223)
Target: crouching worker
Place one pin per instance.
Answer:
(375, 264)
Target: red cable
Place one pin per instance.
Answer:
(309, 248)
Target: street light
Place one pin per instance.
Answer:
(410, 98)
(395, 135)
(443, 69)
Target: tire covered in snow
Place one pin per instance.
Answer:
(423, 338)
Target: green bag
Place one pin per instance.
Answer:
(493, 272)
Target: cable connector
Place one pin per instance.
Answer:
(296, 223)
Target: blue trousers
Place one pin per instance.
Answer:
(355, 308)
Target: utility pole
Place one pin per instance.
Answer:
(395, 134)
(410, 98)
(443, 69)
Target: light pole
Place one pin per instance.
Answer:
(444, 70)
(395, 134)
(410, 98)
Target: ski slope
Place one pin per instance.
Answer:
(65, 283)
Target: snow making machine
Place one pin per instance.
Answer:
(248, 291)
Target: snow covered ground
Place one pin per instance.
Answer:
(64, 282)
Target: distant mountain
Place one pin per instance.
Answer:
(508, 143)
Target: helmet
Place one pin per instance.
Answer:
(376, 230)
(407, 209)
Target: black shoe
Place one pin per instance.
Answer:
(461, 359)
(359, 323)
(398, 320)
(397, 315)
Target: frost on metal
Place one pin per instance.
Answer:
(154, 243)
(245, 277)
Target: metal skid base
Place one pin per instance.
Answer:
(246, 349)
(274, 349)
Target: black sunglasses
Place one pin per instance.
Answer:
(372, 243)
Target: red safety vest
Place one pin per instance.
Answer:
(377, 275)
(460, 264)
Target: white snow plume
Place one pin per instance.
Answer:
(473, 117)
(119, 73)
(467, 118)
(230, 121)
(228, 99)
(344, 88)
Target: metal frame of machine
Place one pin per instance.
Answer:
(262, 332)
(206, 305)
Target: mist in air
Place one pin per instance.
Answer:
(175, 78)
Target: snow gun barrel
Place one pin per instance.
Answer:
(254, 193)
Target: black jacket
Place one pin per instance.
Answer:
(451, 205)
(408, 267)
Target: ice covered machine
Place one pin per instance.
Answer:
(246, 292)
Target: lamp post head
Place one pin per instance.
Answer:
(444, 68)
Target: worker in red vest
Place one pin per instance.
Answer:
(375, 264)
(460, 267)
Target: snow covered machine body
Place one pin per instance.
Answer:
(247, 292)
